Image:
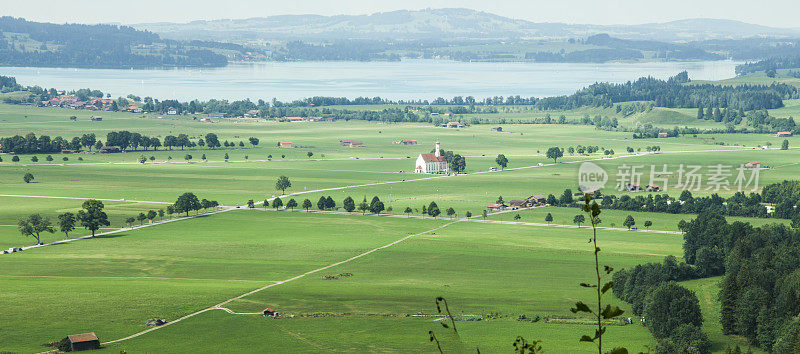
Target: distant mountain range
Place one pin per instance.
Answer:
(450, 24)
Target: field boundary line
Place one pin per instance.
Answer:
(219, 306)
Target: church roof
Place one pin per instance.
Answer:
(431, 157)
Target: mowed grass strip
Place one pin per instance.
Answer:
(80, 286)
(215, 331)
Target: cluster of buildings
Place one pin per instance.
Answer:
(93, 104)
(532, 201)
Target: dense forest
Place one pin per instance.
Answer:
(675, 93)
(25, 43)
(760, 292)
(760, 269)
(767, 65)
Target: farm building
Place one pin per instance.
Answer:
(83, 341)
(516, 204)
(497, 206)
(97, 118)
(217, 115)
(751, 164)
(285, 144)
(663, 135)
(431, 162)
(653, 188)
(406, 142)
(109, 149)
(351, 143)
(453, 125)
(783, 134)
(253, 113)
(497, 129)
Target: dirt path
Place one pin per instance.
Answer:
(220, 306)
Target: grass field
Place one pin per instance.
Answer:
(478, 274)
(496, 272)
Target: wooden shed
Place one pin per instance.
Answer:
(83, 341)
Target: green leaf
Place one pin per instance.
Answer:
(608, 269)
(611, 312)
(581, 307)
(607, 286)
(585, 285)
(586, 338)
(621, 350)
(444, 325)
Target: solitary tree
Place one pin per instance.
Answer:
(161, 214)
(648, 223)
(517, 217)
(265, 204)
(363, 206)
(433, 210)
(291, 204)
(554, 153)
(250, 204)
(66, 222)
(306, 204)
(151, 215)
(277, 203)
(484, 214)
(629, 222)
(548, 218)
(501, 161)
(321, 203)
(408, 211)
(579, 219)
(34, 225)
(28, 177)
(130, 220)
(450, 212)
(785, 144)
(349, 204)
(376, 206)
(92, 216)
(253, 141)
(187, 202)
(468, 214)
(309, 154)
(282, 184)
(141, 217)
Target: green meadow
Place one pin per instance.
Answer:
(490, 273)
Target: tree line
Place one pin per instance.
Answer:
(97, 46)
(760, 289)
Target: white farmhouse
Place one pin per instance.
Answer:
(431, 162)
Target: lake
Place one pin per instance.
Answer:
(408, 79)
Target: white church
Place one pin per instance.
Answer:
(431, 162)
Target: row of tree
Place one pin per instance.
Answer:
(91, 217)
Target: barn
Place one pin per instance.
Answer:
(83, 341)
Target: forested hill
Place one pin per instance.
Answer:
(25, 43)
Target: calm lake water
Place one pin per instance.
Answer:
(409, 79)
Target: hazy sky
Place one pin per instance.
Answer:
(764, 12)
